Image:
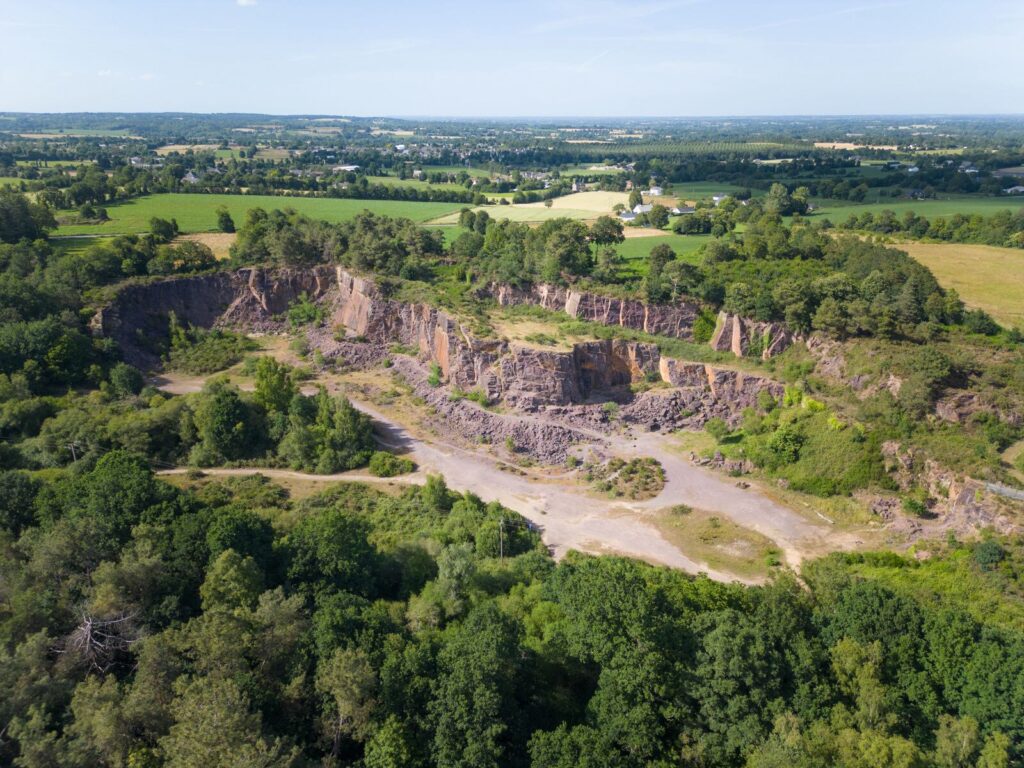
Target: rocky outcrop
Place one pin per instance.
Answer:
(138, 317)
(675, 320)
(733, 333)
(739, 335)
(519, 375)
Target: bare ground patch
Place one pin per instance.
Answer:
(218, 242)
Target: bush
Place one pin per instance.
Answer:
(434, 377)
(717, 428)
(126, 380)
(988, 554)
(304, 312)
(384, 464)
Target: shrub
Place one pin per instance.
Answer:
(717, 428)
(125, 380)
(988, 554)
(304, 312)
(704, 326)
(384, 464)
(434, 377)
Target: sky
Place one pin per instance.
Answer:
(524, 58)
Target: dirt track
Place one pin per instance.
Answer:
(567, 516)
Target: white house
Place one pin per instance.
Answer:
(627, 216)
(913, 169)
(642, 208)
(345, 168)
(1018, 190)
(679, 210)
(655, 192)
(716, 199)
(190, 178)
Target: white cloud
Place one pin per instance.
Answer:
(246, 3)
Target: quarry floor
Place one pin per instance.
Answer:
(567, 513)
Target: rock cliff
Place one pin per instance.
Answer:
(732, 334)
(137, 319)
(519, 375)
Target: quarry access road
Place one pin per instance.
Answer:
(567, 517)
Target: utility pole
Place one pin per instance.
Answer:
(501, 539)
(72, 445)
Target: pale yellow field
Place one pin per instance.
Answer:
(597, 202)
(849, 145)
(183, 148)
(986, 277)
(218, 242)
(585, 206)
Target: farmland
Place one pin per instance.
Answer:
(966, 205)
(635, 250)
(581, 205)
(986, 277)
(197, 213)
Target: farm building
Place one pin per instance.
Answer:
(1017, 190)
(627, 216)
(655, 192)
(642, 208)
(680, 210)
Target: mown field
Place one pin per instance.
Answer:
(581, 205)
(197, 213)
(986, 277)
(986, 206)
(10, 181)
(635, 250)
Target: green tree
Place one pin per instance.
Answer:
(274, 385)
(213, 726)
(224, 221)
(349, 685)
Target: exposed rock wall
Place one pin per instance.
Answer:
(138, 318)
(519, 375)
(675, 320)
(737, 334)
(733, 333)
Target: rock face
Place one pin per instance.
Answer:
(674, 320)
(138, 318)
(733, 333)
(519, 375)
(737, 335)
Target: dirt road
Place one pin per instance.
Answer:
(569, 517)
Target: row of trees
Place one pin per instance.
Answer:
(1003, 228)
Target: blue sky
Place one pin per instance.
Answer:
(532, 57)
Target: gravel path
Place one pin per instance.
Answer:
(566, 515)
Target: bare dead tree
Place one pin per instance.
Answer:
(99, 642)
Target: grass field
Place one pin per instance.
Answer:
(482, 173)
(635, 250)
(986, 277)
(701, 190)
(75, 133)
(197, 213)
(10, 181)
(394, 181)
(986, 206)
(53, 163)
(592, 169)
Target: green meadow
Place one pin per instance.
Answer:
(635, 250)
(967, 205)
(198, 213)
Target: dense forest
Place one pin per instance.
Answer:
(147, 626)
